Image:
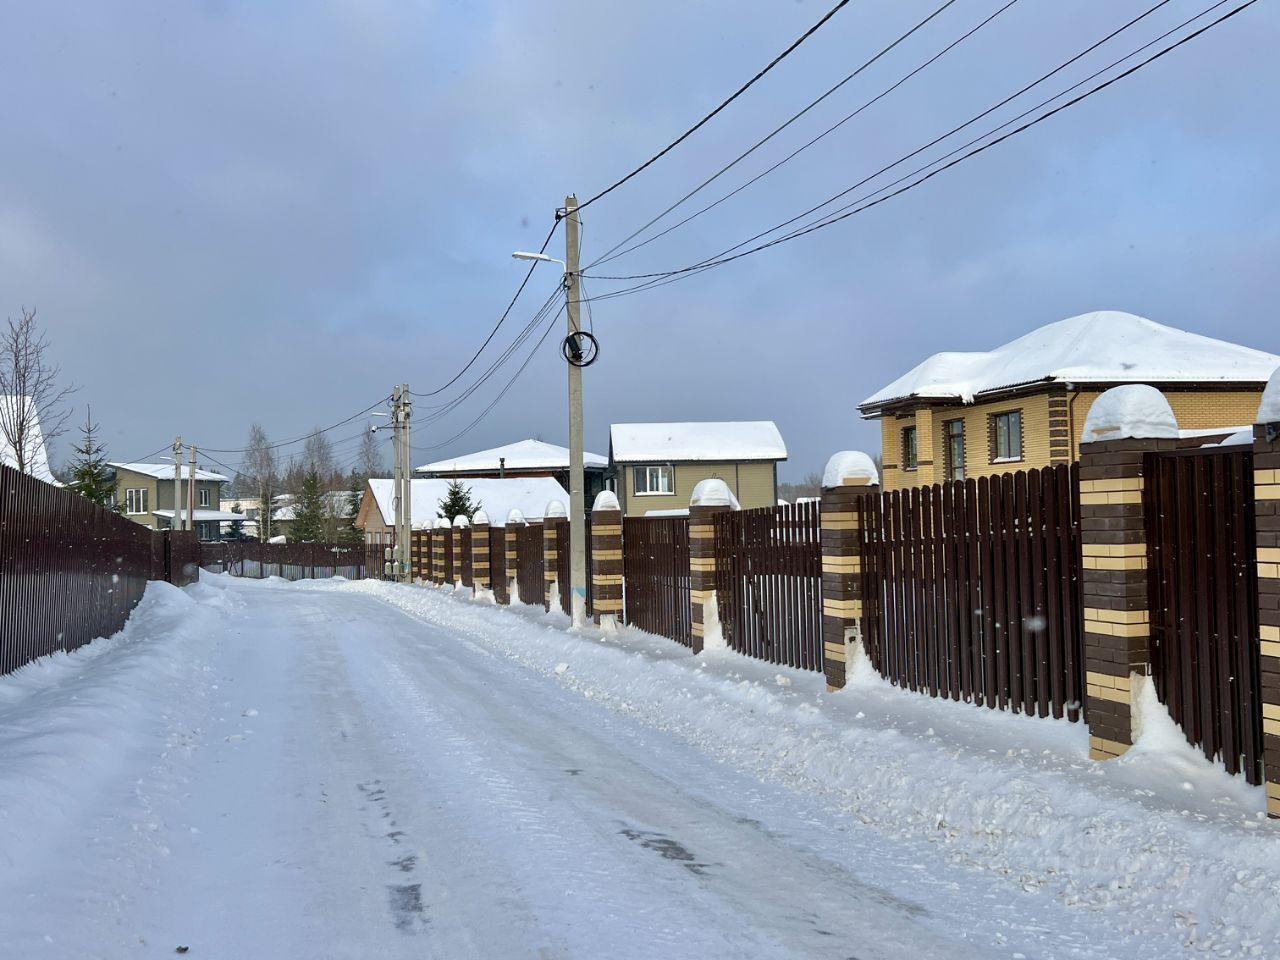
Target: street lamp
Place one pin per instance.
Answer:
(522, 255)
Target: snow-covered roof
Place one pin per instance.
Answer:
(202, 515)
(38, 455)
(529, 495)
(336, 502)
(718, 442)
(1107, 346)
(164, 471)
(522, 455)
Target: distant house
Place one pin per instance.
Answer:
(497, 498)
(1023, 405)
(37, 455)
(655, 466)
(336, 503)
(525, 458)
(144, 493)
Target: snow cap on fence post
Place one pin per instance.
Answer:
(850, 488)
(480, 553)
(552, 517)
(606, 559)
(710, 497)
(1124, 426)
(461, 520)
(1266, 510)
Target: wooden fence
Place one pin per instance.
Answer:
(529, 574)
(464, 569)
(655, 565)
(291, 561)
(769, 583)
(70, 571)
(498, 565)
(1202, 542)
(971, 590)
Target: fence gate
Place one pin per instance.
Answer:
(1201, 542)
(655, 572)
(528, 561)
(769, 583)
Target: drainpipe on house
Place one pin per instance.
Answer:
(1071, 421)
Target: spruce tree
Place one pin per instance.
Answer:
(308, 510)
(349, 532)
(90, 475)
(457, 502)
(237, 526)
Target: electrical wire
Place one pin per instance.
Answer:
(828, 220)
(732, 97)
(610, 254)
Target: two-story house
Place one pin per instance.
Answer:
(144, 494)
(654, 467)
(1023, 404)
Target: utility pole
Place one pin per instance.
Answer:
(191, 490)
(577, 498)
(177, 484)
(401, 411)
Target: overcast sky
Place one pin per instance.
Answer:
(234, 211)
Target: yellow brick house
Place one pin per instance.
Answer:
(1023, 404)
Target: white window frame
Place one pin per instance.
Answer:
(662, 472)
(910, 448)
(202, 495)
(136, 497)
(1012, 456)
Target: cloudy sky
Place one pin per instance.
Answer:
(228, 211)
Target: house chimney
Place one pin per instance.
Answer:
(502, 468)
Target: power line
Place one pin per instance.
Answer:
(305, 436)
(828, 220)
(734, 96)
(610, 254)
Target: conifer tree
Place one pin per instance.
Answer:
(349, 532)
(308, 510)
(457, 502)
(90, 475)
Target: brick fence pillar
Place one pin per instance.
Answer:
(459, 523)
(709, 498)
(555, 516)
(606, 560)
(511, 544)
(480, 553)
(1266, 496)
(419, 555)
(437, 550)
(848, 484)
(1115, 590)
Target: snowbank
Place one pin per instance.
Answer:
(555, 509)
(1269, 408)
(606, 500)
(713, 492)
(849, 465)
(1133, 411)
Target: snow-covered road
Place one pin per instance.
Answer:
(273, 770)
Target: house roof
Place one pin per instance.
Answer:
(728, 442)
(164, 471)
(39, 465)
(1107, 346)
(284, 507)
(202, 514)
(521, 455)
(529, 495)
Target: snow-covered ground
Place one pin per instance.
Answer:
(331, 770)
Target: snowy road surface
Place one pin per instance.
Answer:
(364, 770)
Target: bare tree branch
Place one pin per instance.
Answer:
(33, 407)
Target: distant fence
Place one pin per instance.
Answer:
(769, 583)
(71, 571)
(291, 561)
(656, 574)
(971, 590)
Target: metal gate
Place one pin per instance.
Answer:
(769, 583)
(655, 570)
(1201, 542)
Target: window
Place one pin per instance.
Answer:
(953, 432)
(1006, 436)
(910, 453)
(204, 496)
(654, 480)
(135, 501)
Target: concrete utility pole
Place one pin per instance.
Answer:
(577, 491)
(177, 485)
(401, 411)
(191, 490)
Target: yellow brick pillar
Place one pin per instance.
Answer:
(480, 552)
(850, 491)
(555, 516)
(606, 560)
(710, 497)
(1124, 426)
(511, 544)
(926, 448)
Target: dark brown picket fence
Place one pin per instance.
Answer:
(70, 571)
(498, 565)
(292, 561)
(655, 569)
(971, 590)
(769, 583)
(1201, 538)
(444, 535)
(464, 564)
(529, 576)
